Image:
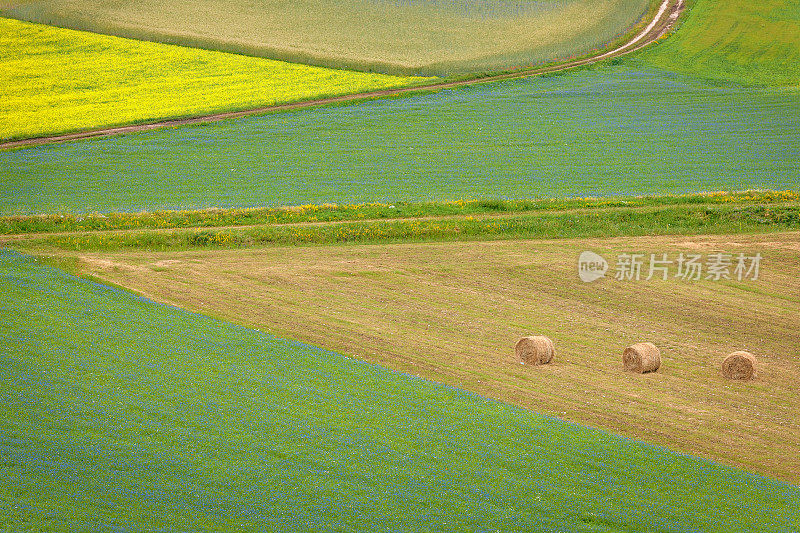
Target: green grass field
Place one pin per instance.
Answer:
(754, 43)
(124, 415)
(67, 80)
(611, 131)
(57, 80)
(445, 265)
(382, 35)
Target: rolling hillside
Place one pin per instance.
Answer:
(396, 37)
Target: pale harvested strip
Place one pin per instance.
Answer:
(57, 80)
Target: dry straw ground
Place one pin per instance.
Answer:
(452, 312)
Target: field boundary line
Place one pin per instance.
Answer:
(662, 22)
(12, 237)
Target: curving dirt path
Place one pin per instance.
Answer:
(663, 21)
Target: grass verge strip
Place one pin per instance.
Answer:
(686, 219)
(65, 222)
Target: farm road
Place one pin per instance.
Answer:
(662, 22)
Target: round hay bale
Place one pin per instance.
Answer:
(739, 365)
(641, 357)
(535, 350)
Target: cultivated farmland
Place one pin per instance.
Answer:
(614, 131)
(128, 415)
(57, 80)
(123, 414)
(401, 37)
(754, 43)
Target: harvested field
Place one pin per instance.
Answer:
(451, 312)
(430, 38)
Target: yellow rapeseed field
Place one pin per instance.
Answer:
(56, 80)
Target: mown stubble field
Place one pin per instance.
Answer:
(451, 312)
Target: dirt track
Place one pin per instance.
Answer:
(663, 21)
